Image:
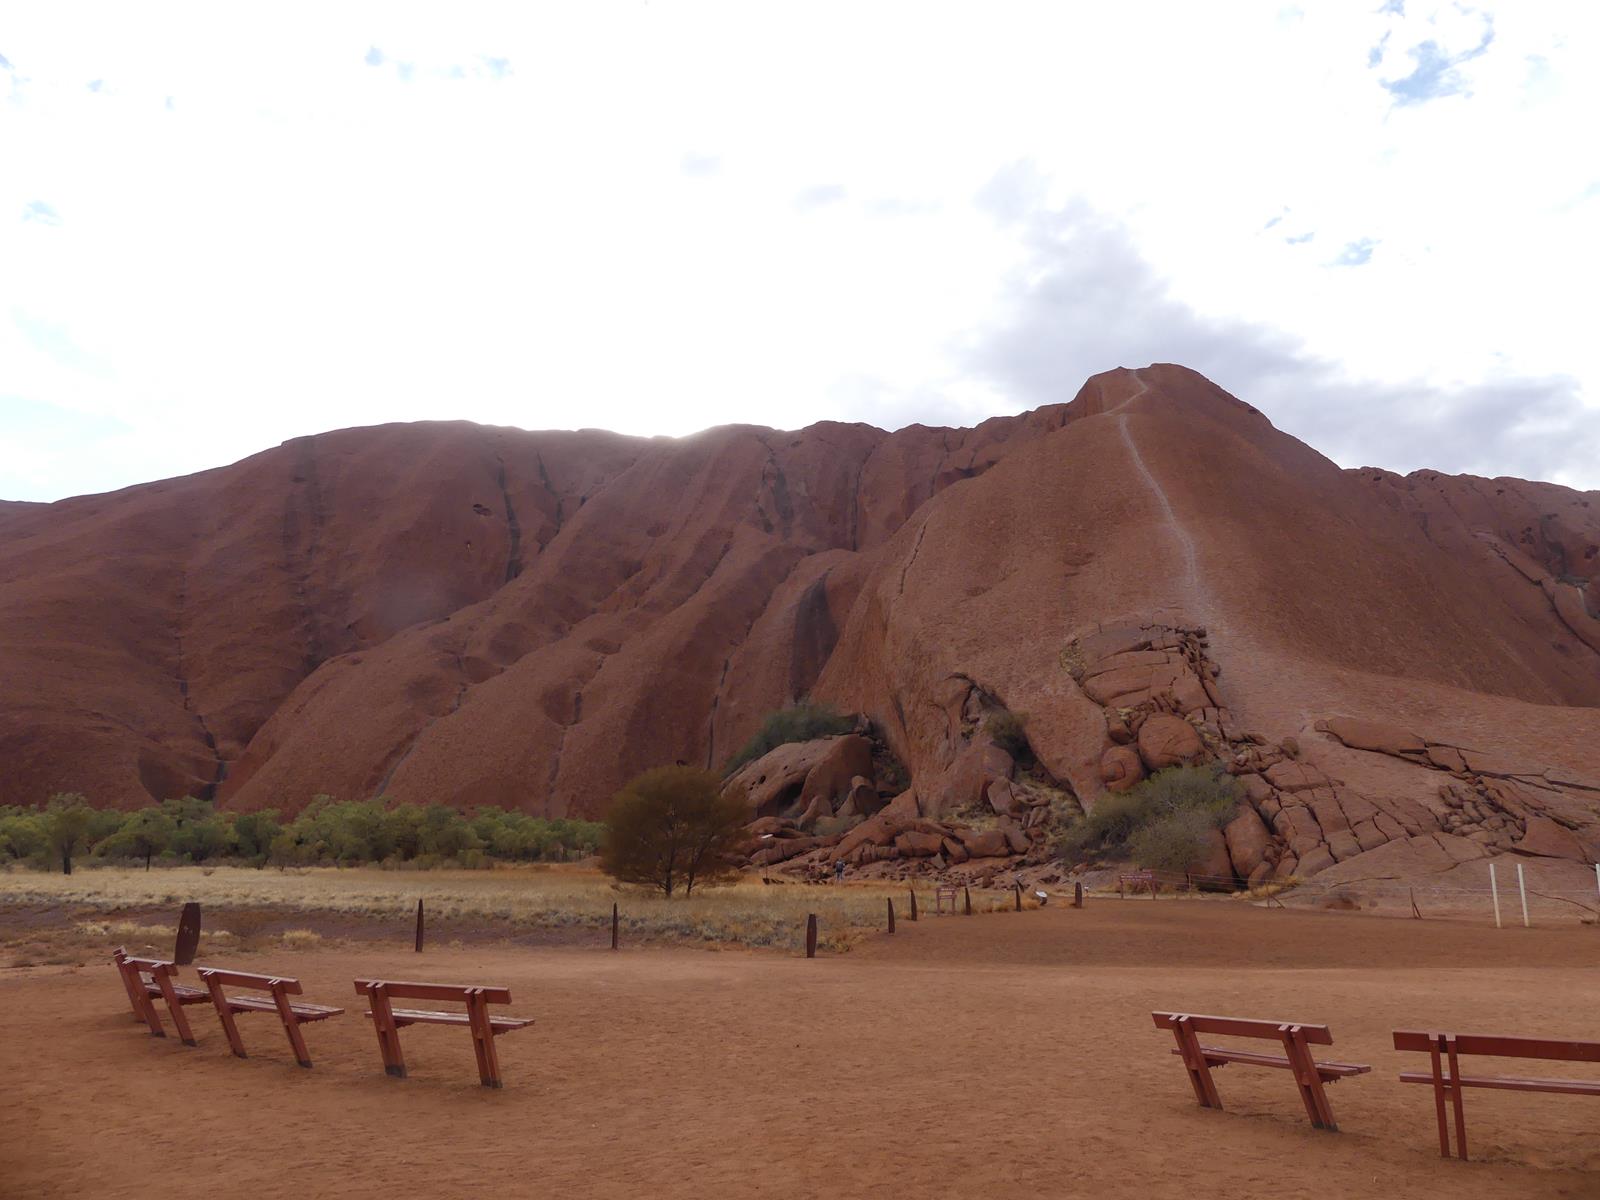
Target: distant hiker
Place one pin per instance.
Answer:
(838, 870)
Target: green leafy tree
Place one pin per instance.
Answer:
(67, 822)
(143, 834)
(21, 833)
(673, 827)
(1166, 818)
(254, 833)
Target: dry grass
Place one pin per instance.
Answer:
(748, 913)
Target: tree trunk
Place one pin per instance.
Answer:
(66, 863)
(148, 856)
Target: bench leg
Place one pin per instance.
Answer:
(291, 1026)
(131, 986)
(1194, 1061)
(1303, 1065)
(145, 1007)
(483, 1041)
(225, 1015)
(185, 1034)
(1456, 1100)
(394, 1062)
(1438, 1098)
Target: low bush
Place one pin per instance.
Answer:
(797, 723)
(1163, 822)
(1008, 730)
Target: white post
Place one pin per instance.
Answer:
(1494, 890)
(1523, 888)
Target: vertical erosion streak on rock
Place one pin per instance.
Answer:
(566, 727)
(1192, 592)
(513, 529)
(302, 523)
(455, 706)
(220, 768)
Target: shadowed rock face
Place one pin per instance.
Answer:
(474, 615)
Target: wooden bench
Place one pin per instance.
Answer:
(148, 979)
(278, 990)
(1447, 1048)
(388, 1020)
(1297, 1040)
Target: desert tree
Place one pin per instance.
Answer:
(144, 834)
(67, 821)
(671, 828)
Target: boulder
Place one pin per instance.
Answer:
(1016, 837)
(1247, 837)
(984, 843)
(862, 800)
(1543, 838)
(1214, 869)
(1295, 777)
(1166, 740)
(1375, 735)
(965, 781)
(1121, 768)
(1319, 859)
(913, 844)
(782, 777)
(1002, 800)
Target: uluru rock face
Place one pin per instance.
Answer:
(449, 612)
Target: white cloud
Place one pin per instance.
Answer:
(659, 217)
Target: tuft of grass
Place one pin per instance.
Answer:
(301, 939)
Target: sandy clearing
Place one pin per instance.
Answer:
(999, 1056)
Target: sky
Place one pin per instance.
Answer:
(223, 226)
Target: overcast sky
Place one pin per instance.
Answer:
(221, 226)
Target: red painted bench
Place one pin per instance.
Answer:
(1446, 1050)
(278, 989)
(1297, 1040)
(388, 1020)
(149, 979)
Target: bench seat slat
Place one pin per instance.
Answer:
(1569, 1087)
(1218, 1055)
(184, 993)
(306, 1012)
(1316, 1035)
(417, 1016)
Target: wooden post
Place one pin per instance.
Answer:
(188, 934)
(811, 935)
(1415, 911)
(966, 899)
(1018, 888)
(913, 904)
(890, 900)
(1523, 888)
(615, 921)
(419, 926)
(1077, 894)
(1494, 891)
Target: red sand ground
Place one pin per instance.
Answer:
(999, 1056)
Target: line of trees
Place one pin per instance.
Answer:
(328, 831)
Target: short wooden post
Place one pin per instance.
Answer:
(615, 923)
(419, 927)
(811, 935)
(913, 904)
(1018, 888)
(1494, 891)
(966, 900)
(1523, 888)
(890, 900)
(1077, 894)
(188, 935)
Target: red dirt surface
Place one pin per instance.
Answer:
(1006, 1055)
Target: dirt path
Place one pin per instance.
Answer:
(997, 1056)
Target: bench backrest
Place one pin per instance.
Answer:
(400, 989)
(246, 979)
(1495, 1046)
(1316, 1035)
(154, 966)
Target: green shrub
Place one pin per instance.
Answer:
(1173, 843)
(797, 723)
(1008, 730)
(673, 827)
(1155, 817)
